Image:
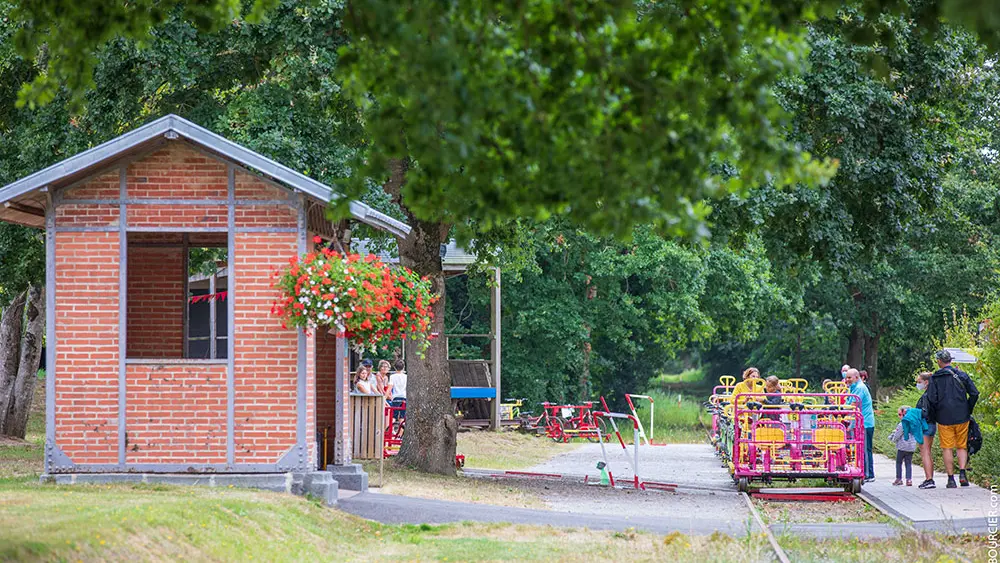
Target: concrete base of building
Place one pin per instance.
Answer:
(320, 484)
(350, 477)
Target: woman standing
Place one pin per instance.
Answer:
(382, 379)
(926, 460)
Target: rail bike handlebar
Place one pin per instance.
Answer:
(635, 421)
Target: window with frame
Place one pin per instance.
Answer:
(177, 296)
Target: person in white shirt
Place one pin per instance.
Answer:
(398, 381)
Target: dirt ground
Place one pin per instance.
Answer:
(705, 490)
(817, 512)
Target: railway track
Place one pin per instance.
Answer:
(783, 557)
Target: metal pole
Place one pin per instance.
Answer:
(122, 311)
(635, 466)
(186, 312)
(212, 331)
(604, 454)
(495, 345)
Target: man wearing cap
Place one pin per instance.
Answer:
(951, 396)
(860, 389)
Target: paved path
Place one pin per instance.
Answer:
(705, 501)
(394, 509)
(964, 508)
(704, 485)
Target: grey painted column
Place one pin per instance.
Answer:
(122, 308)
(213, 336)
(50, 329)
(301, 388)
(186, 312)
(231, 310)
(341, 447)
(495, 346)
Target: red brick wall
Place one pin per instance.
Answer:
(76, 215)
(266, 354)
(177, 172)
(176, 414)
(179, 217)
(87, 346)
(155, 302)
(251, 187)
(105, 186)
(266, 216)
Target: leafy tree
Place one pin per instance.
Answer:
(267, 86)
(597, 316)
(479, 113)
(22, 261)
(884, 237)
(609, 113)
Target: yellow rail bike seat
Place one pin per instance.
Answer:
(727, 381)
(800, 385)
(827, 437)
(769, 437)
(835, 387)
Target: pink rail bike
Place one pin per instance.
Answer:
(808, 435)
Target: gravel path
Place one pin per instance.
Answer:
(705, 491)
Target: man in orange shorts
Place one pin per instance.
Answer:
(951, 396)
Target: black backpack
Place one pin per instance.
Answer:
(975, 441)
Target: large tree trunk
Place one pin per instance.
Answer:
(871, 359)
(856, 347)
(10, 352)
(31, 353)
(429, 441)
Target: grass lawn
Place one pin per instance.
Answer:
(678, 418)
(687, 376)
(904, 549)
(19, 458)
(159, 522)
(482, 449)
(509, 449)
(95, 523)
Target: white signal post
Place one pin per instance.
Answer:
(642, 431)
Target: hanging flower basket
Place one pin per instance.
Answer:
(358, 297)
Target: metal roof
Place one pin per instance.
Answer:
(960, 356)
(172, 127)
(456, 258)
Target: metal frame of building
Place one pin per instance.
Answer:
(33, 200)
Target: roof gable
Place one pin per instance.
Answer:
(172, 127)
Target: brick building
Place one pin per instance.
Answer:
(139, 387)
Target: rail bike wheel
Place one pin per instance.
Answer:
(854, 487)
(556, 430)
(743, 485)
